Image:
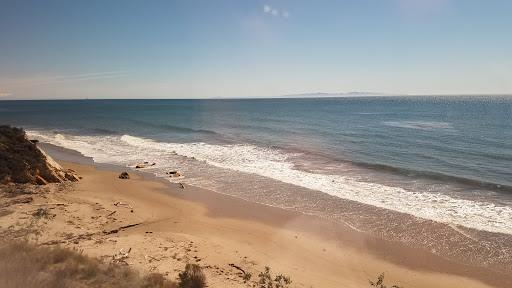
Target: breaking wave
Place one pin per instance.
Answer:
(275, 164)
(423, 125)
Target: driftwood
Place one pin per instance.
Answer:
(53, 242)
(121, 256)
(238, 268)
(130, 225)
(121, 204)
(111, 213)
(150, 258)
(113, 231)
(20, 200)
(144, 165)
(46, 204)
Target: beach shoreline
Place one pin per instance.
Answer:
(311, 250)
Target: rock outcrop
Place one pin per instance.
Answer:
(21, 161)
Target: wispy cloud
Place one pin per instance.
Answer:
(80, 77)
(58, 79)
(97, 75)
(267, 9)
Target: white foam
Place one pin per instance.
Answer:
(423, 125)
(273, 164)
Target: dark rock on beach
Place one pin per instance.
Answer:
(124, 175)
(173, 173)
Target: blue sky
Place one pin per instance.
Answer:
(198, 49)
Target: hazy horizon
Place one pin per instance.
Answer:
(291, 96)
(253, 49)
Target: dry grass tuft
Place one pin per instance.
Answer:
(192, 277)
(267, 281)
(43, 213)
(155, 280)
(24, 265)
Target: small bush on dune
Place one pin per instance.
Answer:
(42, 213)
(267, 281)
(380, 282)
(192, 277)
(282, 281)
(246, 276)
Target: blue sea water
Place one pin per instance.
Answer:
(446, 159)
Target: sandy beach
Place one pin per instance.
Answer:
(264, 144)
(164, 226)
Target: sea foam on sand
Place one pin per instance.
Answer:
(272, 163)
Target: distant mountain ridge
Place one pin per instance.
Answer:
(336, 94)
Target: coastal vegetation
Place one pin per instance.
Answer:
(379, 283)
(192, 277)
(266, 280)
(26, 265)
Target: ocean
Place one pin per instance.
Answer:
(363, 161)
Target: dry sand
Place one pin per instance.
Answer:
(174, 226)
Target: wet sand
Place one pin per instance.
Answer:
(223, 229)
(164, 227)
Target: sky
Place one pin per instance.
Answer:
(218, 49)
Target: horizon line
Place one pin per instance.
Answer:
(287, 96)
